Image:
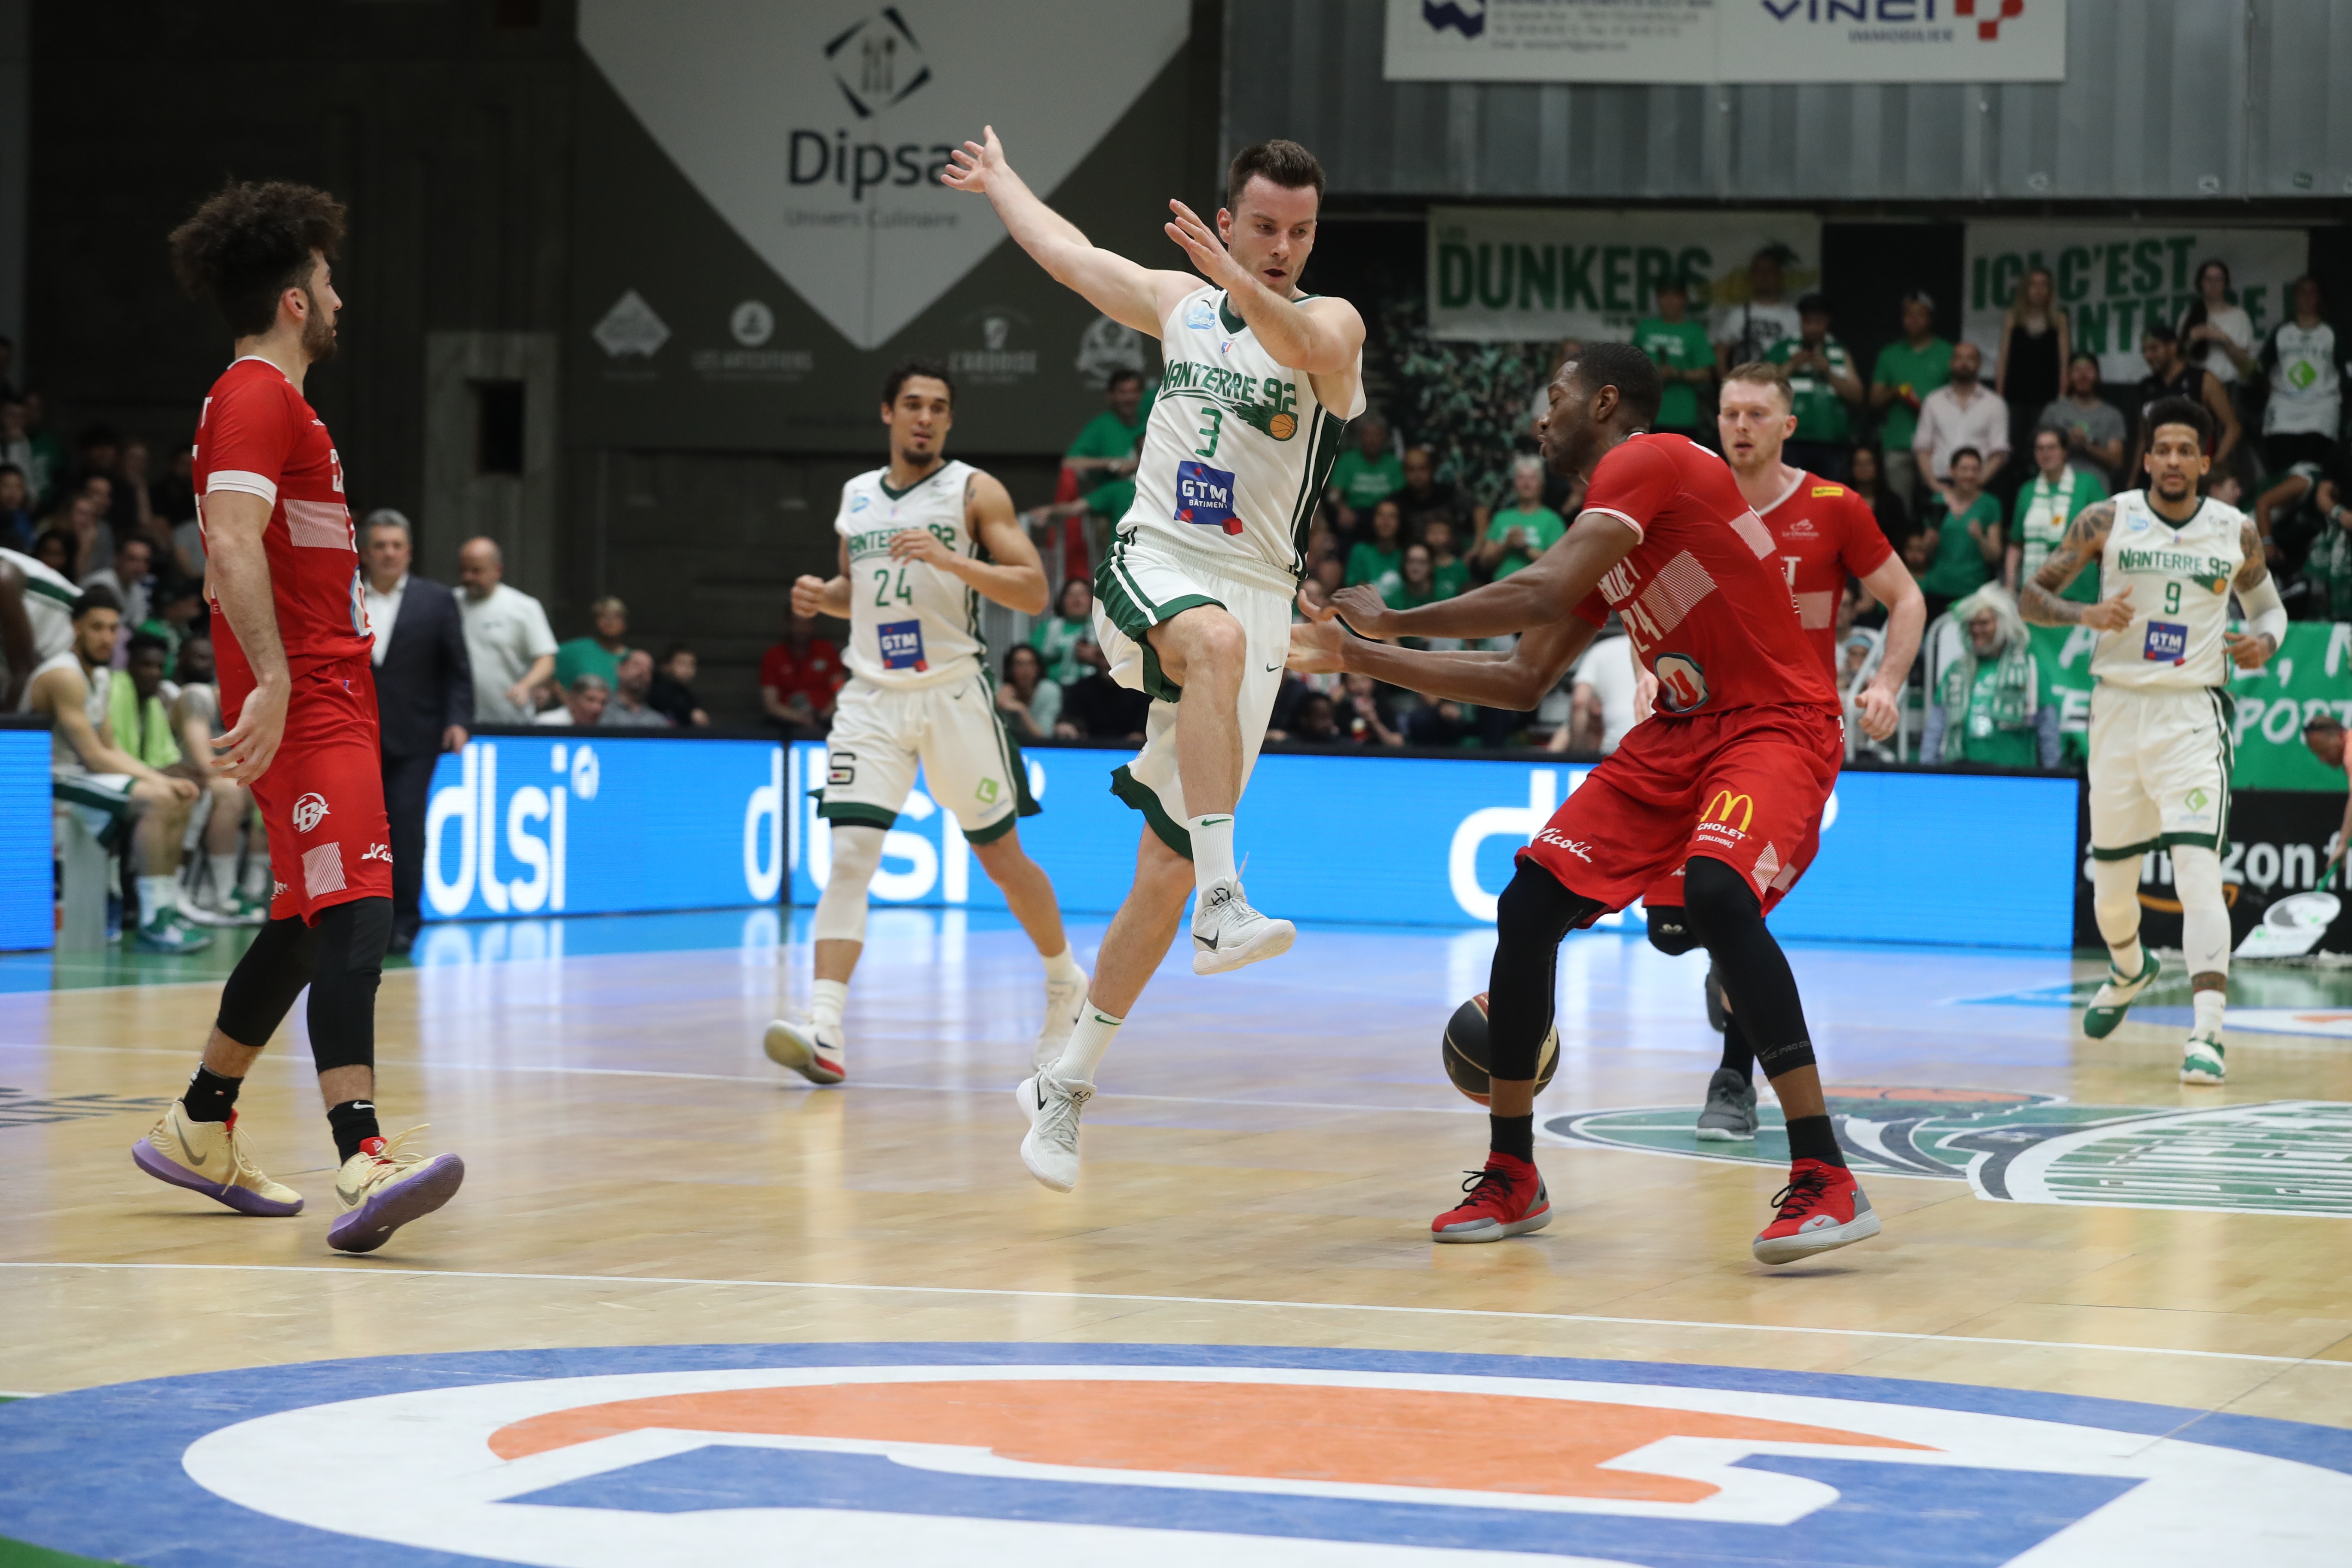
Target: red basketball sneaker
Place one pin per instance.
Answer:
(1821, 1208)
(1506, 1198)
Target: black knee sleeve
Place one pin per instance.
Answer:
(262, 987)
(1533, 915)
(350, 943)
(1670, 930)
(1728, 917)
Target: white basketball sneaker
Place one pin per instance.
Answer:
(813, 1050)
(1228, 933)
(1063, 1003)
(2204, 1060)
(1053, 1106)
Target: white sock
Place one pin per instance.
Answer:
(1062, 968)
(157, 894)
(1086, 1046)
(2209, 1005)
(223, 869)
(2126, 960)
(1212, 849)
(826, 999)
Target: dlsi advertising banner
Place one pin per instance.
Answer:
(2112, 279)
(1524, 274)
(1726, 40)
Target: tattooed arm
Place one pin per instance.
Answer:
(2086, 538)
(2266, 612)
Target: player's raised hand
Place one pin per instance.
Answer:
(2111, 615)
(1316, 647)
(1362, 607)
(1200, 243)
(244, 754)
(2251, 650)
(1879, 712)
(969, 165)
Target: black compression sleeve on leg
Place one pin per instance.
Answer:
(1738, 1055)
(352, 938)
(1533, 915)
(262, 987)
(1670, 930)
(1728, 917)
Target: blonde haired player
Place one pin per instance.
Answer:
(2161, 735)
(1192, 603)
(923, 540)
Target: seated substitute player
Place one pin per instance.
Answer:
(36, 623)
(922, 541)
(2161, 743)
(1192, 603)
(1822, 533)
(1727, 779)
(298, 690)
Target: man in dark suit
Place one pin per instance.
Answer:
(424, 696)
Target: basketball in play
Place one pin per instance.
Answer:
(1466, 1054)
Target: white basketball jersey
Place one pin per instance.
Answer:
(2179, 580)
(49, 605)
(63, 758)
(1237, 447)
(910, 625)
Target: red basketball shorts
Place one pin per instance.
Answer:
(1744, 786)
(323, 797)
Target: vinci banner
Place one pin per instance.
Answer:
(1524, 274)
(1726, 40)
(2112, 279)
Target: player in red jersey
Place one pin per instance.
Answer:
(297, 693)
(1729, 777)
(1822, 533)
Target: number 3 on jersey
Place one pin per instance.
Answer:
(884, 591)
(1209, 432)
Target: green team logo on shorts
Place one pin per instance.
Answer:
(2198, 800)
(987, 791)
(2287, 1156)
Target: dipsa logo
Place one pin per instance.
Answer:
(927, 1456)
(878, 65)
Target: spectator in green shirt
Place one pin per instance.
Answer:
(1367, 473)
(1821, 385)
(1522, 530)
(600, 655)
(1448, 570)
(2046, 504)
(1962, 539)
(1987, 705)
(1685, 359)
(1379, 559)
(1906, 373)
(1104, 455)
(1417, 583)
(1065, 640)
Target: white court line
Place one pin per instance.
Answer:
(367, 1270)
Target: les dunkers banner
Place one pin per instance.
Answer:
(1726, 40)
(1525, 274)
(759, 225)
(2112, 279)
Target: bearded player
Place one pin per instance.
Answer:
(1822, 533)
(297, 693)
(2169, 557)
(1727, 780)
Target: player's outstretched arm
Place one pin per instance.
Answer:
(1011, 576)
(237, 567)
(1129, 293)
(1320, 337)
(1549, 590)
(2086, 537)
(2266, 611)
(1906, 616)
(1516, 680)
(17, 643)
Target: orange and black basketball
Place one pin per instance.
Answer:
(1466, 1052)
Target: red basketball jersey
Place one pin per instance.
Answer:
(1823, 533)
(256, 434)
(1701, 594)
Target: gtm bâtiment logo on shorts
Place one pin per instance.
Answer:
(310, 811)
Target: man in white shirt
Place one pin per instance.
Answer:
(507, 638)
(583, 707)
(1745, 333)
(1962, 413)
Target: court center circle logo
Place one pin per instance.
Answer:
(308, 812)
(933, 1455)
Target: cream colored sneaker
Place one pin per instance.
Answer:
(382, 1189)
(208, 1157)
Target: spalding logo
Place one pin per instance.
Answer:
(308, 812)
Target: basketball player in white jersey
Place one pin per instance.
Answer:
(1192, 603)
(922, 541)
(2160, 734)
(36, 623)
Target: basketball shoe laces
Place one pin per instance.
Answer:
(1502, 1196)
(389, 1152)
(1804, 1192)
(1058, 1119)
(242, 1172)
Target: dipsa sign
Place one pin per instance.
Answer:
(1984, 859)
(607, 825)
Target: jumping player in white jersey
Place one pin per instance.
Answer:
(36, 623)
(922, 541)
(1192, 603)
(2160, 734)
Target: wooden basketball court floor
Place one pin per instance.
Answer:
(1260, 1166)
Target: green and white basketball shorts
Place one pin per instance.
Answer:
(1140, 584)
(2160, 759)
(100, 802)
(969, 765)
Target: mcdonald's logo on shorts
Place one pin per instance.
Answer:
(1725, 802)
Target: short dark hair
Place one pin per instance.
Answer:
(248, 244)
(2322, 721)
(144, 642)
(1920, 297)
(2160, 330)
(1673, 281)
(1285, 163)
(1813, 305)
(905, 369)
(674, 649)
(2081, 354)
(1634, 373)
(1124, 373)
(101, 597)
(1960, 452)
(2181, 411)
(12, 468)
